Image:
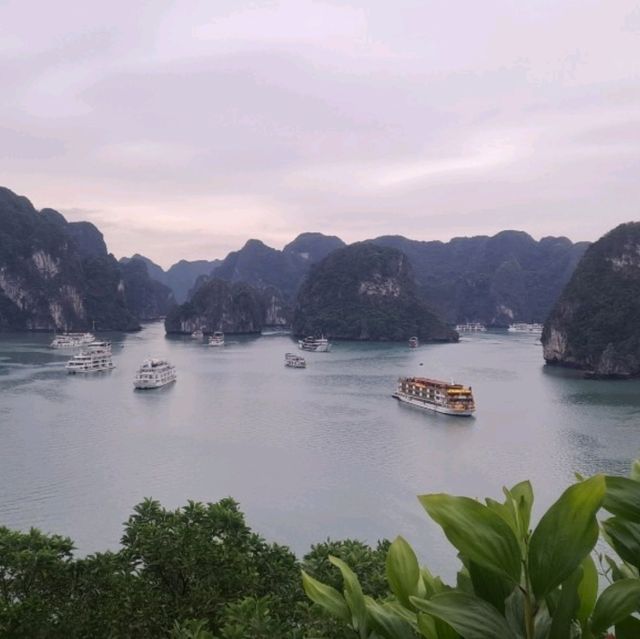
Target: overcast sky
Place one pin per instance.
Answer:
(183, 128)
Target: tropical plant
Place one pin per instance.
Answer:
(514, 583)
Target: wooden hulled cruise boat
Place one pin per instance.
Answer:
(442, 397)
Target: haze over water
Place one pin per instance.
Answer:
(309, 454)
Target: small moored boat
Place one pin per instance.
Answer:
(197, 334)
(431, 394)
(217, 339)
(294, 361)
(315, 344)
(154, 373)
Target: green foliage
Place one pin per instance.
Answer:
(599, 310)
(365, 292)
(514, 584)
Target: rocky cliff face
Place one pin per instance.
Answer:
(56, 275)
(497, 280)
(595, 325)
(365, 292)
(147, 298)
(219, 306)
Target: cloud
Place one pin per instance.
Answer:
(191, 126)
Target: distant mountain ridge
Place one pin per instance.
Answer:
(180, 277)
(498, 280)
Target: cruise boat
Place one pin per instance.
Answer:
(95, 358)
(71, 340)
(413, 342)
(217, 339)
(294, 361)
(154, 373)
(197, 334)
(471, 327)
(314, 344)
(523, 327)
(442, 397)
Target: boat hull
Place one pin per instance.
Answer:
(436, 408)
(88, 371)
(321, 348)
(144, 385)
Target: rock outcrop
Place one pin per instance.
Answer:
(365, 292)
(595, 325)
(147, 298)
(58, 275)
(219, 305)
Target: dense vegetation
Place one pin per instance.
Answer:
(146, 297)
(199, 572)
(59, 275)
(218, 305)
(513, 583)
(596, 323)
(367, 292)
(496, 280)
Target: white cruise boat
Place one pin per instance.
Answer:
(314, 344)
(471, 327)
(95, 358)
(414, 342)
(197, 334)
(217, 339)
(71, 340)
(291, 360)
(523, 327)
(154, 373)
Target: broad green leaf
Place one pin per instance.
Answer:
(403, 571)
(620, 571)
(387, 623)
(353, 595)
(588, 589)
(470, 616)
(504, 511)
(623, 498)
(635, 470)
(566, 608)
(624, 536)
(490, 586)
(566, 534)
(615, 604)
(432, 585)
(463, 580)
(434, 628)
(327, 597)
(628, 628)
(514, 612)
(522, 496)
(477, 532)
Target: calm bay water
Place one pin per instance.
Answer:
(308, 453)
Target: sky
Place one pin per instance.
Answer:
(181, 129)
